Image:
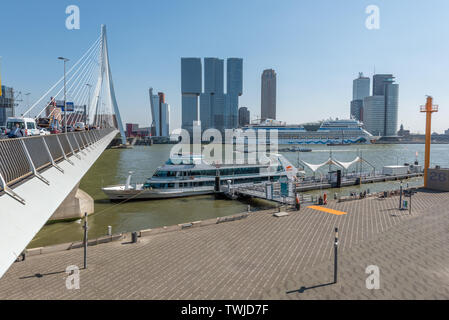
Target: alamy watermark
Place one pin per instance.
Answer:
(73, 279)
(373, 280)
(372, 22)
(238, 146)
(72, 22)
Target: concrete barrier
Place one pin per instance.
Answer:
(56, 248)
(146, 232)
(33, 252)
(196, 223)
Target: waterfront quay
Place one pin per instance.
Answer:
(262, 257)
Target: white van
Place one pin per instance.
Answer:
(28, 125)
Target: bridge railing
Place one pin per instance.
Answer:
(22, 158)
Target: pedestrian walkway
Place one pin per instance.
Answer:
(262, 257)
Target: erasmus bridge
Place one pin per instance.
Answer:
(38, 173)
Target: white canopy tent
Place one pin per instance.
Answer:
(341, 164)
(315, 167)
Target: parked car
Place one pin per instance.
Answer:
(28, 125)
(80, 126)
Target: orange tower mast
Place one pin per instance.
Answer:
(429, 108)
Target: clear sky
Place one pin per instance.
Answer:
(316, 47)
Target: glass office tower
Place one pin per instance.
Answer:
(191, 87)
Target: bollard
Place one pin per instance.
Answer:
(336, 255)
(109, 231)
(249, 208)
(86, 228)
(134, 237)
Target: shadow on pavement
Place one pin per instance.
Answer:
(40, 275)
(302, 289)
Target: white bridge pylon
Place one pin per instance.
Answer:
(105, 75)
(46, 169)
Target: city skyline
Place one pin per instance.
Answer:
(307, 63)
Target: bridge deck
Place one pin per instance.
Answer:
(44, 171)
(262, 257)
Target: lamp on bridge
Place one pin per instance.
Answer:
(65, 95)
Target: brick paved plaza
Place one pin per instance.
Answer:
(262, 257)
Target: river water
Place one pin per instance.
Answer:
(114, 164)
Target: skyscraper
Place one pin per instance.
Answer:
(234, 89)
(213, 75)
(360, 87)
(160, 113)
(360, 90)
(379, 83)
(191, 87)
(391, 107)
(234, 76)
(217, 109)
(244, 116)
(380, 111)
(268, 95)
(357, 109)
(374, 114)
(211, 106)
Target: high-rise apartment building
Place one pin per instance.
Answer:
(191, 88)
(160, 113)
(268, 94)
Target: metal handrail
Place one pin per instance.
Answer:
(21, 158)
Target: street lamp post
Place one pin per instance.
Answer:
(88, 106)
(65, 94)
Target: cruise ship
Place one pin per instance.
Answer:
(329, 132)
(196, 177)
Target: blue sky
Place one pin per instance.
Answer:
(316, 47)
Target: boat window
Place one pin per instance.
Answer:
(165, 174)
(171, 185)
